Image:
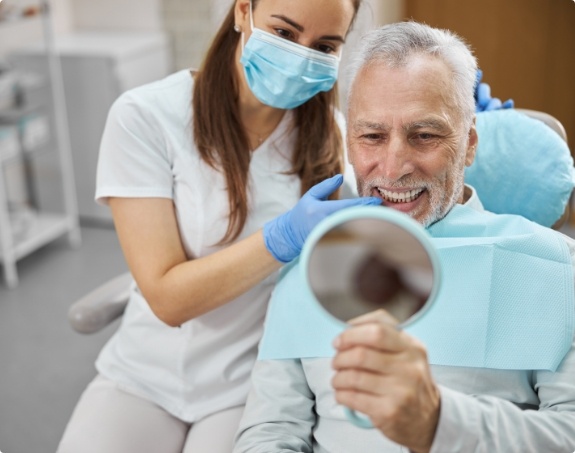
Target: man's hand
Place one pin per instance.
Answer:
(384, 373)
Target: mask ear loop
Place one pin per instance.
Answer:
(251, 26)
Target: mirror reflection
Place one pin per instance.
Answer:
(365, 264)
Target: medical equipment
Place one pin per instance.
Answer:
(97, 67)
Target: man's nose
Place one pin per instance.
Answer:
(395, 160)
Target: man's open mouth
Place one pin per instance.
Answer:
(406, 196)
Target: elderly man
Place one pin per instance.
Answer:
(411, 132)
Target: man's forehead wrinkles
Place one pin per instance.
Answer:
(433, 123)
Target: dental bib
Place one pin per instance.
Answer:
(506, 300)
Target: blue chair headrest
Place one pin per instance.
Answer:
(521, 167)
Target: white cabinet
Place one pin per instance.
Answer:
(32, 128)
(97, 67)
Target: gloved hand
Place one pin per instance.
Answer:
(483, 100)
(284, 236)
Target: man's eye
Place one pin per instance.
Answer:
(371, 137)
(425, 139)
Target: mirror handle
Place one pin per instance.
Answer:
(361, 421)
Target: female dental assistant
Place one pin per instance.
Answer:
(198, 169)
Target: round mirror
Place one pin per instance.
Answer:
(368, 258)
(363, 259)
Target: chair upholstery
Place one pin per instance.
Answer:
(101, 306)
(549, 120)
(522, 166)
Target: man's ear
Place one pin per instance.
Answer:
(242, 14)
(473, 141)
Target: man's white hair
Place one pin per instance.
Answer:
(396, 44)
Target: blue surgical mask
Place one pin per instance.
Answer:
(283, 74)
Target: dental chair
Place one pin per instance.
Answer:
(504, 149)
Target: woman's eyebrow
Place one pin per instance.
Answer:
(301, 29)
(287, 20)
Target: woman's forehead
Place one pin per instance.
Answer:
(318, 16)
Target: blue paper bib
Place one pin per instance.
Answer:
(507, 299)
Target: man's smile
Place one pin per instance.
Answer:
(400, 196)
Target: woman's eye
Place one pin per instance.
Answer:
(284, 33)
(325, 48)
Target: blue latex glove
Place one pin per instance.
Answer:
(483, 100)
(284, 236)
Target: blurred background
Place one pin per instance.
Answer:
(63, 63)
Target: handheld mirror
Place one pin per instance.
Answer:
(362, 259)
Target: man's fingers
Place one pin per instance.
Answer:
(374, 316)
(359, 381)
(370, 360)
(378, 335)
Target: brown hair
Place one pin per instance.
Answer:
(223, 143)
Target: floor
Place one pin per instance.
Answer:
(44, 364)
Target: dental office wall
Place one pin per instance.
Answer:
(21, 33)
(190, 24)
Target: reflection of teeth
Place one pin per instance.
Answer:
(400, 197)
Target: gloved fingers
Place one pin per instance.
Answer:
(478, 77)
(483, 96)
(493, 104)
(484, 101)
(324, 189)
(508, 104)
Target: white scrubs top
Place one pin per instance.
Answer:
(147, 151)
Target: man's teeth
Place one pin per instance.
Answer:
(400, 197)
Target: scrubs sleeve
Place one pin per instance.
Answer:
(486, 424)
(279, 413)
(134, 159)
